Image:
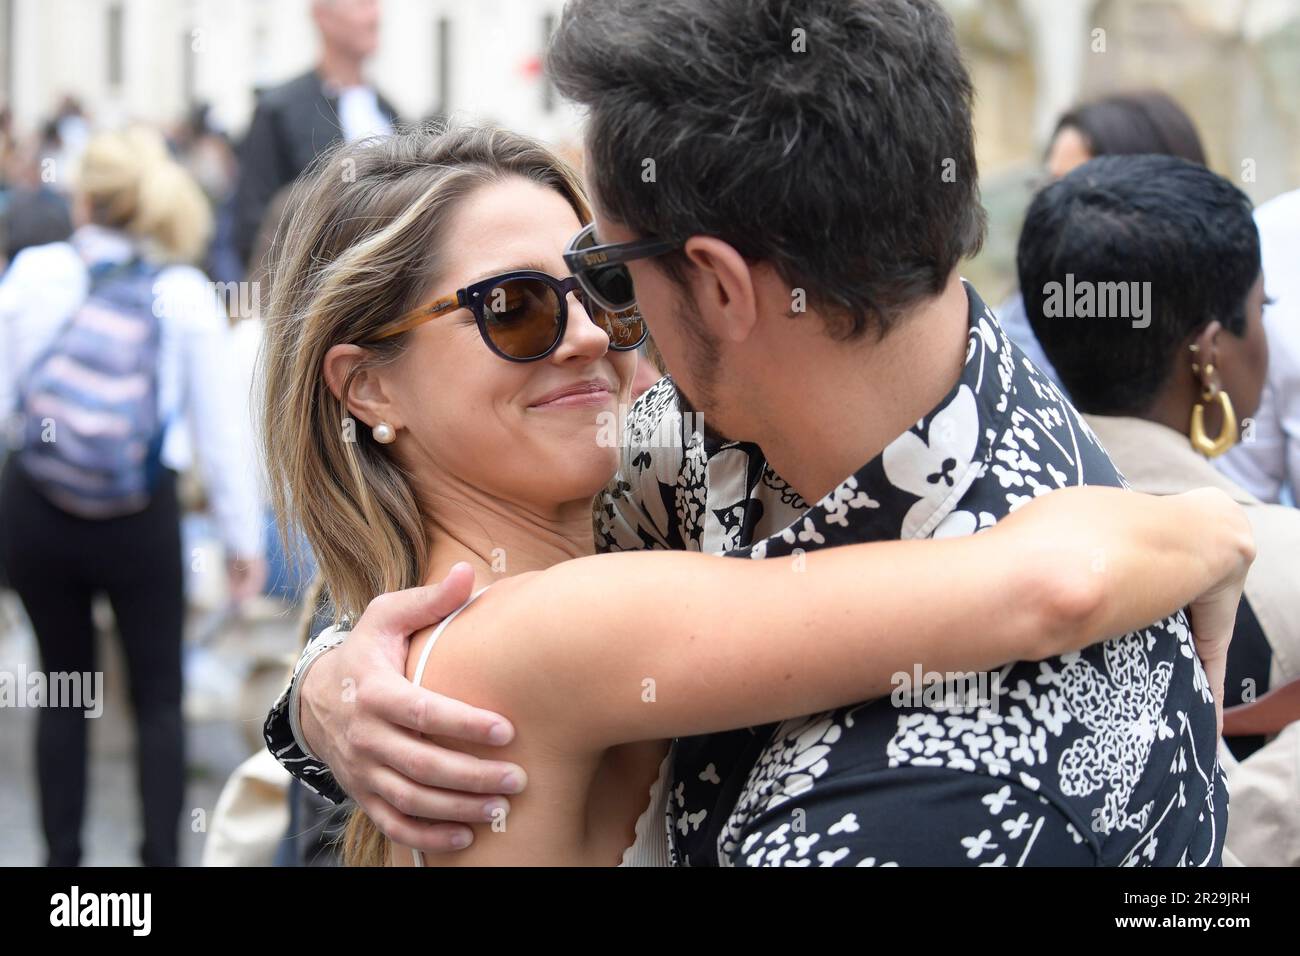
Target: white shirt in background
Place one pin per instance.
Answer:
(360, 115)
(198, 382)
(1267, 462)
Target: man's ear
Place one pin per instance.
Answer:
(724, 288)
(368, 401)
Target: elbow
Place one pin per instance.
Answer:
(1071, 604)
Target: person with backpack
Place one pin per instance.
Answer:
(115, 378)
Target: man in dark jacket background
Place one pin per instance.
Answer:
(296, 121)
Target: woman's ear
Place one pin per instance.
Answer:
(1205, 361)
(367, 399)
(724, 287)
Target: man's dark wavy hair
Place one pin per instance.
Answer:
(849, 166)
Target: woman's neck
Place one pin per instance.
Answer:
(1172, 406)
(500, 539)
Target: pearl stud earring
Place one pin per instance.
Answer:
(384, 433)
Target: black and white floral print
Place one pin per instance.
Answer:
(1103, 757)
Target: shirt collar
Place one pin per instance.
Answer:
(916, 482)
(99, 244)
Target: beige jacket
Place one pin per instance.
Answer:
(1264, 812)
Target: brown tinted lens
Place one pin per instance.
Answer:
(522, 317)
(625, 329)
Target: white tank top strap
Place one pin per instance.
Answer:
(417, 857)
(650, 845)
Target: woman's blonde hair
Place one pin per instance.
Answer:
(131, 183)
(359, 245)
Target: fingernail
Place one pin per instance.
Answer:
(493, 808)
(460, 839)
(499, 734)
(512, 781)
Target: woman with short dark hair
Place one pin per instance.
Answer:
(1122, 124)
(1169, 384)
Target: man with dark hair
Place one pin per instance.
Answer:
(853, 176)
(804, 179)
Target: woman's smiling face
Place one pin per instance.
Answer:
(466, 416)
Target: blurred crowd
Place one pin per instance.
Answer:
(100, 228)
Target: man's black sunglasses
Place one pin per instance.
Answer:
(601, 269)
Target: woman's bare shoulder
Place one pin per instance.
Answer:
(483, 630)
(498, 654)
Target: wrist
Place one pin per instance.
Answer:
(328, 640)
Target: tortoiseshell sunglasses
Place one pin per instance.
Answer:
(522, 315)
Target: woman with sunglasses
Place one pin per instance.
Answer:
(435, 388)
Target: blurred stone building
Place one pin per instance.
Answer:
(152, 60)
(1233, 64)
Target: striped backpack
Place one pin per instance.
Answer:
(88, 407)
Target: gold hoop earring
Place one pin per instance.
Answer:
(384, 433)
(1228, 434)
